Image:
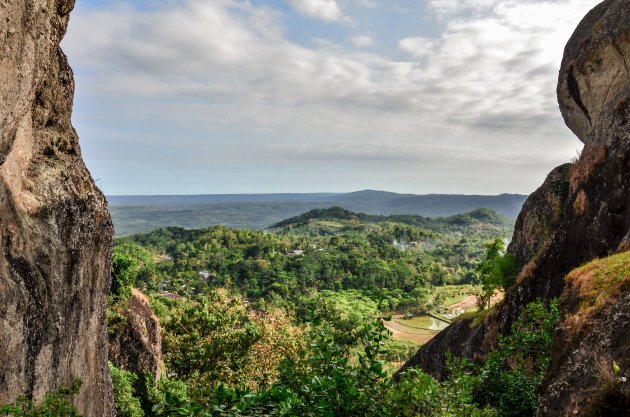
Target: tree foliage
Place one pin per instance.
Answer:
(57, 403)
(126, 402)
(497, 271)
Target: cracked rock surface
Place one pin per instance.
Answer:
(55, 229)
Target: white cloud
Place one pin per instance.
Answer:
(417, 47)
(445, 8)
(370, 4)
(362, 41)
(481, 91)
(327, 10)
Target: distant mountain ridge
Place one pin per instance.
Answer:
(143, 200)
(134, 214)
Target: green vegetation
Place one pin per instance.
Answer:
(386, 257)
(123, 277)
(509, 379)
(346, 267)
(327, 379)
(497, 271)
(290, 321)
(55, 404)
(601, 280)
(127, 405)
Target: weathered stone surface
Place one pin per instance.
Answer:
(540, 215)
(580, 213)
(594, 66)
(581, 380)
(55, 230)
(135, 344)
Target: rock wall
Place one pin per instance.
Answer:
(55, 230)
(582, 211)
(135, 340)
(594, 334)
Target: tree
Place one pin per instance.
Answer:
(497, 270)
(123, 274)
(421, 297)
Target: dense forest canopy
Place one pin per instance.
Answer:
(298, 319)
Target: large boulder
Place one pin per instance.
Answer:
(582, 211)
(55, 230)
(135, 338)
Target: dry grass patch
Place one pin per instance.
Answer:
(598, 283)
(592, 156)
(580, 205)
(527, 271)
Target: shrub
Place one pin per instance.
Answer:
(510, 377)
(127, 404)
(55, 404)
(123, 277)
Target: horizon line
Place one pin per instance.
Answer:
(311, 193)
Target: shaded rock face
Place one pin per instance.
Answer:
(55, 230)
(582, 211)
(581, 381)
(136, 342)
(460, 338)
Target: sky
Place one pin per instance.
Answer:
(258, 96)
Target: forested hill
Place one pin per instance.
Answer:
(135, 214)
(330, 249)
(482, 217)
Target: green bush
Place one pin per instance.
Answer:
(497, 271)
(208, 342)
(127, 404)
(510, 377)
(55, 404)
(123, 274)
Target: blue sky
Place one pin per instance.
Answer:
(229, 96)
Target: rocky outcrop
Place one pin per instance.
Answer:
(582, 211)
(461, 339)
(55, 230)
(593, 336)
(135, 338)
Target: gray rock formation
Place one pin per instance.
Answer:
(135, 344)
(580, 213)
(594, 69)
(581, 381)
(55, 230)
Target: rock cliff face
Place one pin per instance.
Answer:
(582, 211)
(593, 334)
(136, 342)
(55, 230)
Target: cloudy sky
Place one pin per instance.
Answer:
(237, 96)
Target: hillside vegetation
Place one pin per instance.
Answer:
(294, 320)
(323, 249)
